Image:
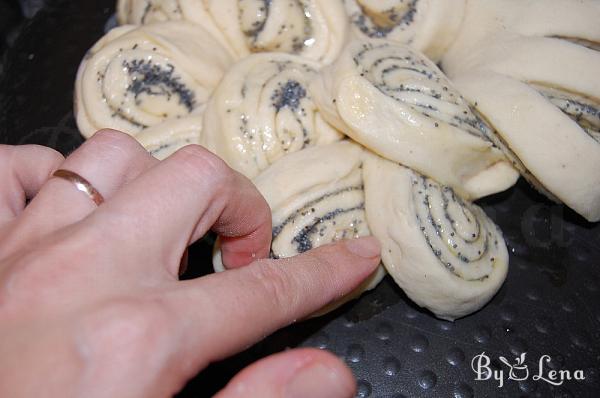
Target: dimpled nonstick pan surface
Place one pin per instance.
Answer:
(549, 305)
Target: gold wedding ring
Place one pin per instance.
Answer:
(81, 184)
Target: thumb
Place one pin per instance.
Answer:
(298, 373)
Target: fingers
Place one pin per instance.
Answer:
(234, 309)
(108, 160)
(293, 374)
(184, 196)
(23, 171)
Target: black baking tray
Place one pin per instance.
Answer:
(549, 305)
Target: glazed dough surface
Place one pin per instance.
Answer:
(495, 21)
(397, 103)
(552, 134)
(317, 197)
(314, 29)
(429, 26)
(135, 78)
(164, 139)
(442, 250)
(262, 110)
(531, 69)
(143, 12)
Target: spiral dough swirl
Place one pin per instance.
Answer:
(333, 214)
(316, 197)
(141, 12)
(314, 29)
(459, 234)
(411, 79)
(441, 249)
(262, 110)
(429, 26)
(135, 78)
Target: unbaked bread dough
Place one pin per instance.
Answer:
(429, 26)
(396, 102)
(316, 197)
(262, 110)
(553, 136)
(442, 250)
(135, 78)
(164, 139)
(314, 29)
(531, 69)
(490, 23)
(142, 12)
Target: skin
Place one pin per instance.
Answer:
(90, 301)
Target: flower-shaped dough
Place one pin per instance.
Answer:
(262, 110)
(396, 102)
(164, 139)
(442, 250)
(531, 70)
(429, 26)
(142, 12)
(135, 78)
(551, 135)
(316, 197)
(314, 29)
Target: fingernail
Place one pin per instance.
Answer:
(367, 247)
(318, 381)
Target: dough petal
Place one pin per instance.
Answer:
(429, 26)
(443, 251)
(314, 29)
(495, 21)
(541, 60)
(164, 139)
(397, 103)
(553, 136)
(316, 197)
(135, 78)
(262, 110)
(142, 12)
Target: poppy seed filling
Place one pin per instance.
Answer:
(289, 95)
(380, 25)
(151, 79)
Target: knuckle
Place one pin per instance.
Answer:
(110, 134)
(56, 157)
(198, 161)
(47, 151)
(45, 154)
(113, 140)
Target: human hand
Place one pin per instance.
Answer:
(90, 301)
